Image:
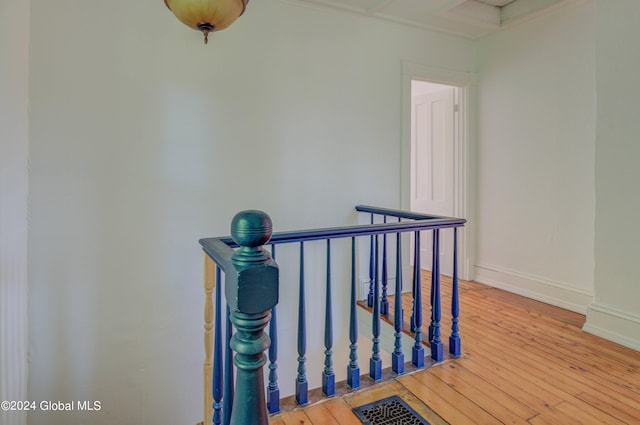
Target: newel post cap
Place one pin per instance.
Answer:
(251, 228)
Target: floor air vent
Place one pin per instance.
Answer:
(389, 411)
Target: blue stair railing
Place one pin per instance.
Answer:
(251, 289)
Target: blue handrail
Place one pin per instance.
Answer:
(214, 246)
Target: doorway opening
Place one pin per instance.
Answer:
(437, 157)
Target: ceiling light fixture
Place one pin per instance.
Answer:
(207, 15)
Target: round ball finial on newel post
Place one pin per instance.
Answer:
(251, 229)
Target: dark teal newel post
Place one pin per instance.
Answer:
(252, 291)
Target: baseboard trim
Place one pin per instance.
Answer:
(363, 288)
(537, 288)
(614, 325)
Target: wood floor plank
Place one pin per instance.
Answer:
(560, 364)
(439, 403)
(296, 417)
(558, 383)
(550, 370)
(541, 420)
(425, 384)
(484, 393)
(556, 417)
(342, 412)
(614, 352)
(603, 369)
(569, 341)
(377, 393)
(585, 380)
(320, 414)
(529, 378)
(565, 316)
(423, 410)
(612, 406)
(587, 414)
(525, 390)
(545, 372)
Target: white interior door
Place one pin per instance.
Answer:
(433, 168)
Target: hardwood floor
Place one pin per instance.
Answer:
(523, 362)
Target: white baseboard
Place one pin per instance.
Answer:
(387, 333)
(537, 288)
(391, 288)
(364, 288)
(615, 325)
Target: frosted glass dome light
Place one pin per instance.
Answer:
(207, 15)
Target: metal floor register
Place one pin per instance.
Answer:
(389, 411)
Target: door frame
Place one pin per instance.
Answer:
(464, 152)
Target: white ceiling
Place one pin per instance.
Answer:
(468, 18)
(498, 3)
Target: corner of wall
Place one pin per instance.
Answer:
(615, 325)
(14, 133)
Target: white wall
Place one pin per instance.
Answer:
(615, 313)
(14, 144)
(536, 158)
(143, 140)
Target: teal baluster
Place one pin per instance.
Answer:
(454, 339)
(353, 370)
(397, 357)
(273, 391)
(371, 270)
(251, 294)
(217, 352)
(228, 391)
(375, 363)
(434, 274)
(384, 302)
(328, 376)
(417, 352)
(412, 320)
(436, 343)
(302, 386)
